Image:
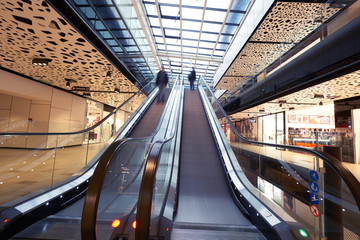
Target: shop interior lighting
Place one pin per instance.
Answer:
(86, 94)
(68, 84)
(108, 74)
(117, 90)
(41, 61)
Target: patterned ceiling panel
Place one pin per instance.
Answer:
(32, 29)
(343, 87)
(288, 22)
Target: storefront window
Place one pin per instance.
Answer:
(94, 115)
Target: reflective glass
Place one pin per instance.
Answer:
(215, 16)
(240, 5)
(190, 35)
(190, 43)
(107, 12)
(190, 13)
(224, 4)
(171, 23)
(172, 32)
(151, 9)
(191, 25)
(169, 11)
(230, 29)
(209, 37)
(234, 18)
(88, 12)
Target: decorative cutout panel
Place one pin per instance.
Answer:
(32, 29)
(287, 22)
(343, 87)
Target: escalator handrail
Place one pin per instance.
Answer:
(81, 131)
(351, 181)
(90, 207)
(143, 215)
(92, 197)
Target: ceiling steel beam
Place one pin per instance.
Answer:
(188, 56)
(163, 35)
(140, 11)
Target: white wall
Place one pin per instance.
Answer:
(29, 106)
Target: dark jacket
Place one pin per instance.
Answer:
(192, 76)
(162, 78)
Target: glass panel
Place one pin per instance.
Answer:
(32, 164)
(120, 191)
(151, 9)
(199, 3)
(172, 32)
(170, 23)
(107, 12)
(240, 5)
(218, 4)
(191, 35)
(169, 11)
(209, 37)
(190, 43)
(162, 181)
(190, 13)
(208, 45)
(191, 25)
(215, 16)
(230, 29)
(234, 18)
(157, 31)
(88, 12)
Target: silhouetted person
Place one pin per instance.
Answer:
(161, 81)
(192, 78)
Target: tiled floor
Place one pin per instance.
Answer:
(25, 171)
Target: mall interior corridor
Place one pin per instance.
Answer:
(267, 145)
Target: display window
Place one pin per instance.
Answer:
(93, 116)
(311, 127)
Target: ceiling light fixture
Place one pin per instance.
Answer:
(68, 84)
(108, 74)
(41, 61)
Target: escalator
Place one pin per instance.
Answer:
(275, 192)
(198, 182)
(210, 212)
(65, 224)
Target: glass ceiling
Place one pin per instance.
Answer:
(178, 34)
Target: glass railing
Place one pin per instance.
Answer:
(111, 201)
(298, 184)
(120, 189)
(283, 53)
(36, 162)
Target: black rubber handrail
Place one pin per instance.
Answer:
(89, 214)
(351, 181)
(81, 131)
(143, 215)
